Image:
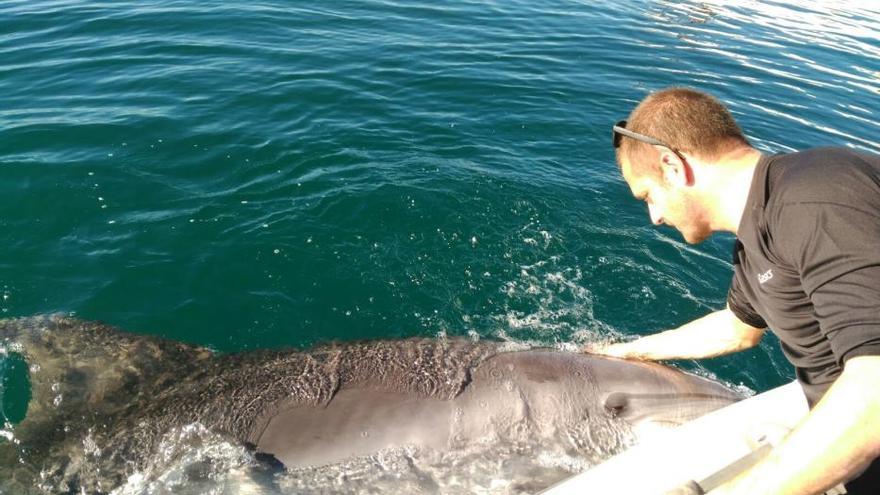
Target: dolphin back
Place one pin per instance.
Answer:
(103, 400)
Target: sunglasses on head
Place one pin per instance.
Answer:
(619, 131)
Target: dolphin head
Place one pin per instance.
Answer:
(646, 394)
(570, 388)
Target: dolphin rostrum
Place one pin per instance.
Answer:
(103, 401)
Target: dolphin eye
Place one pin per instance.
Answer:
(616, 404)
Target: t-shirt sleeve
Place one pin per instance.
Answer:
(836, 249)
(737, 301)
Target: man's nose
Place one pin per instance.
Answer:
(656, 217)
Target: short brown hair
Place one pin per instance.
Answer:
(690, 121)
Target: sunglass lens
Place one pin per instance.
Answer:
(615, 136)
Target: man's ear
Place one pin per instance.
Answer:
(675, 170)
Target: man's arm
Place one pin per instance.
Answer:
(835, 441)
(713, 335)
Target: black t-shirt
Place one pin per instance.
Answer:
(807, 260)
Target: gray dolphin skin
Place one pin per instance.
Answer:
(102, 400)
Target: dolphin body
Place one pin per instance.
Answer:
(102, 400)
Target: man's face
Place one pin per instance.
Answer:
(669, 203)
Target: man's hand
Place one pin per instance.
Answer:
(621, 350)
(838, 439)
(713, 335)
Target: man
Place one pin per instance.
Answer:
(806, 265)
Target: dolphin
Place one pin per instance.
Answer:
(103, 401)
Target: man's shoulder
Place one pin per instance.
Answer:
(825, 175)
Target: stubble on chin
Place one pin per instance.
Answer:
(694, 236)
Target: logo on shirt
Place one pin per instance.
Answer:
(763, 277)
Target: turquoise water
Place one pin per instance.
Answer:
(261, 174)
